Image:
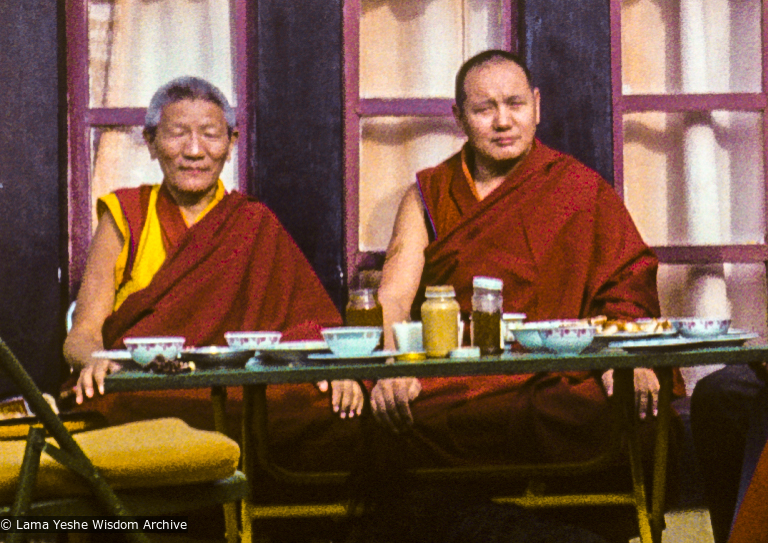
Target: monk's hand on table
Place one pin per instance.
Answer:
(646, 391)
(93, 373)
(391, 402)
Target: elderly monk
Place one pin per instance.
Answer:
(559, 237)
(187, 258)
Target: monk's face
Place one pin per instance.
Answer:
(192, 144)
(500, 113)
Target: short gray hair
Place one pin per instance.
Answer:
(186, 88)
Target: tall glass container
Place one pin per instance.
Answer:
(440, 321)
(487, 305)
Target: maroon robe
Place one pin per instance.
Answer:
(236, 269)
(565, 246)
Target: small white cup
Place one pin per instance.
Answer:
(408, 337)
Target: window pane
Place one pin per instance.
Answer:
(413, 48)
(691, 46)
(121, 159)
(737, 291)
(136, 46)
(695, 178)
(393, 149)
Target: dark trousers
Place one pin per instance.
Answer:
(729, 422)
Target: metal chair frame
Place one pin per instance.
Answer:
(69, 454)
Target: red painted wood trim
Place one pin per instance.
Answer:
(617, 98)
(385, 107)
(703, 254)
(242, 90)
(79, 194)
(128, 116)
(351, 22)
(765, 113)
(509, 25)
(692, 102)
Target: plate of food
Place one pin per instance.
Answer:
(637, 329)
(216, 357)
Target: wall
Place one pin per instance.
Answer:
(568, 52)
(29, 188)
(299, 146)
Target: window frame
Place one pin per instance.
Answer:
(82, 118)
(674, 103)
(357, 108)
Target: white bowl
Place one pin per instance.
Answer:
(251, 341)
(702, 327)
(144, 349)
(352, 341)
(568, 339)
(528, 336)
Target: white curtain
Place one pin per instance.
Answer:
(135, 47)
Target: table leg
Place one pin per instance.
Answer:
(219, 401)
(254, 399)
(624, 392)
(661, 451)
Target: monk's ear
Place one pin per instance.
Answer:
(149, 139)
(232, 142)
(537, 104)
(458, 116)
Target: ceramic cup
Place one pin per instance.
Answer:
(408, 337)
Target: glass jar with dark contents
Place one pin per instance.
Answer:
(363, 308)
(487, 305)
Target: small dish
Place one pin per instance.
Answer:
(251, 341)
(145, 349)
(702, 327)
(352, 341)
(568, 339)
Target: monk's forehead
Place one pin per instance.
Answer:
(495, 76)
(192, 111)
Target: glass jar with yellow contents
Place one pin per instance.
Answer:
(440, 321)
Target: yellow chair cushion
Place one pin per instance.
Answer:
(145, 454)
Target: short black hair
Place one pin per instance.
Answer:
(480, 59)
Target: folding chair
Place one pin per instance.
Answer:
(166, 468)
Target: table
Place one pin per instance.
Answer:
(650, 522)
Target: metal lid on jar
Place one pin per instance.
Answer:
(488, 283)
(440, 291)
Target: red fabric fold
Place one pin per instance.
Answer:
(236, 269)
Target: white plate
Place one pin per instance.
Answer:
(215, 356)
(373, 357)
(292, 351)
(732, 339)
(115, 354)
